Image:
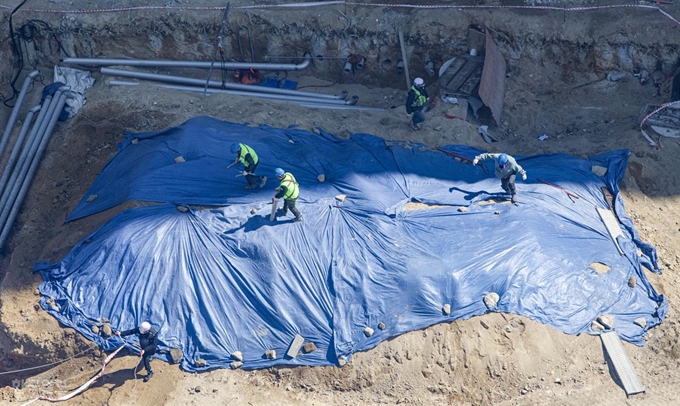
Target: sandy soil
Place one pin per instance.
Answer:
(499, 359)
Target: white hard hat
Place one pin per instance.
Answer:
(144, 327)
(418, 81)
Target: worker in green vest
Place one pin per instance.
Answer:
(288, 190)
(415, 101)
(247, 156)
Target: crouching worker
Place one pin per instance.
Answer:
(289, 190)
(506, 169)
(148, 341)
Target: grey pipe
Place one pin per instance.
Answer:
(340, 107)
(403, 57)
(15, 111)
(351, 101)
(8, 216)
(150, 63)
(18, 145)
(36, 132)
(215, 84)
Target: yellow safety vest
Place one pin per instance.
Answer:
(420, 100)
(292, 189)
(245, 150)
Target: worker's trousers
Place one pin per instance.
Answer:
(508, 184)
(251, 178)
(290, 204)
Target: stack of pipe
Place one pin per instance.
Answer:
(27, 153)
(307, 99)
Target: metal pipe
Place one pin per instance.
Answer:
(318, 57)
(347, 69)
(352, 101)
(36, 132)
(8, 219)
(151, 63)
(215, 84)
(15, 111)
(18, 145)
(361, 63)
(340, 107)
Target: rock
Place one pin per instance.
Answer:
(237, 355)
(599, 170)
(321, 178)
(135, 141)
(631, 281)
(607, 320)
(640, 321)
(176, 355)
(291, 141)
(595, 326)
(180, 159)
(95, 329)
(201, 362)
(368, 331)
(491, 300)
(486, 326)
(183, 209)
(438, 128)
(342, 360)
(106, 330)
(197, 389)
(316, 131)
(382, 326)
(462, 209)
(253, 211)
(340, 198)
(446, 309)
(270, 354)
(236, 364)
(308, 347)
(497, 212)
(91, 198)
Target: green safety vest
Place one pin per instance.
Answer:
(292, 189)
(420, 100)
(245, 150)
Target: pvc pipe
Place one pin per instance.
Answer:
(361, 63)
(429, 67)
(18, 145)
(37, 131)
(151, 63)
(400, 66)
(215, 84)
(352, 101)
(11, 215)
(340, 107)
(15, 111)
(347, 69)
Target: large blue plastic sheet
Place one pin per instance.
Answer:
(217, 280)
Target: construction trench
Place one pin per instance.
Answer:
(582, 85)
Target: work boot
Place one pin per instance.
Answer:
(282, 212)
(513, 199)
(148, 376)
(412, 126)
(296, 219)
(263, 181)
(250, 187)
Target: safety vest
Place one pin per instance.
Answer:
(245, 150)
(292, 189)
(420, 100)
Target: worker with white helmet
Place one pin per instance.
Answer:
(148, 341)
(289, 190)
(415, 101)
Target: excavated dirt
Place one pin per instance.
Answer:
(557, 65)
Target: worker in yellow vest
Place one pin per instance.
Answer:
(415, 101)
(288, 190)
(247, 156)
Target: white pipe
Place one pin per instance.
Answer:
(8, 219)
(215, 84)
(15, 111)
(18, 145)
(151, 63)
(351, 101)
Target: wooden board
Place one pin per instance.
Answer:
(612, 225)
(275, 203)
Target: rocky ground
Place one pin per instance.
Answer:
(499, 359)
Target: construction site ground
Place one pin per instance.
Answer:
(497, 359)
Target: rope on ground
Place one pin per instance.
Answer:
(644, 133)
(47, 365)
(82, 387)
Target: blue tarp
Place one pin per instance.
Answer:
(217, 280)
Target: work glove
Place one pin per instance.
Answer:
(245, 173)
(141, 353)
(475, 161)
(117, 333)
(524, 176)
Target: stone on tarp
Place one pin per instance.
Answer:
(368, 331)
(382, 326)
(183, 209)
(308, 347)
(176, 355)
(237, 355)
(607, 320)
(598, 170)
(491, 300)
(201, 362)
(321, 178)
(95, 329)
(595, 326)
(236, 364)
(270, 354)
(106, 330)
(180, 159)
(91, 198)
(446, 309)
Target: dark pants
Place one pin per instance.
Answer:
(251, 178)
(146, 361)
(508, 184)
(290, 204)
(418, 117)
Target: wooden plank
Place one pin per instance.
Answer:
(612, 225)
(622, 365)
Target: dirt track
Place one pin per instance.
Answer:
(463, 362)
